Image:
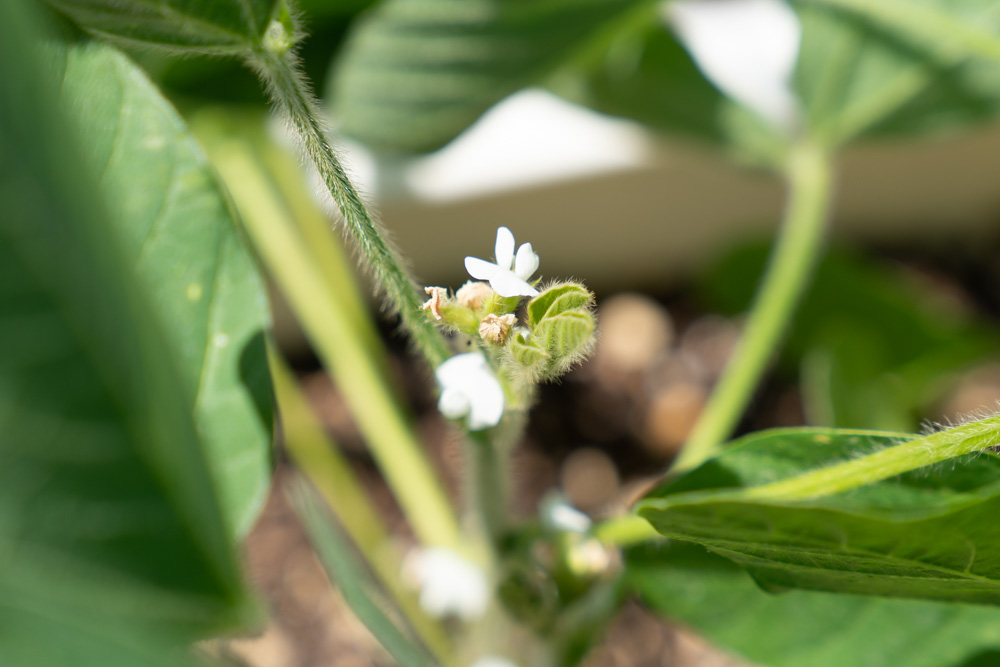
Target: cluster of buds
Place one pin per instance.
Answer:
(558, 332)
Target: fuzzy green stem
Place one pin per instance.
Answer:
(291, 92)
(327, 322)
(787, 276)
(910, 455)
(486, 488)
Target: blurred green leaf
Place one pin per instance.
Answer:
(417, 72)
(177, 230)
(709, 593)
(200, 26)
(927, 533)
(103, 482)
(355, 582)
(875, 347)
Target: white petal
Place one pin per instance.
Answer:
(486, 402)
(526, 262)
(747, 48)
(492, 661)
(453, 404)
(505, 248)
(480, 268)
(455, 371)
(449, 584)
(506, 284)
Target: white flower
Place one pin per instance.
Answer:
(559, 515)
(469, 388)
(492, 661)
(449, 585)
(504, 281)
(747, 48)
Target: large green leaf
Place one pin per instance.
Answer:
(712, 595)
(823, 509)
(203, 26)
(855, 76)
(178, 232)
(102, 478)
(418, 72)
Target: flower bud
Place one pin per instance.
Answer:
(496, 330)
(473, 294)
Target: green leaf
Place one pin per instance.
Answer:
(860, 73)
(849, 511)
(557, 300)
(355, 582)
(418, 72)
(712, 595)
(200, 26)
(873, 346)
(102, 478)
(177, 231)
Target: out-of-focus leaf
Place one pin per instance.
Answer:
(709, 593)
(874, 347)
(418, 72)
(927, 533)
(355, 582)
(854, 77)
(200, 26)
(174, 224)
(102, 478)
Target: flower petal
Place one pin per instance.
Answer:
(506, 284)
(480, 268)
(486, 403)
(526, 261)
(453, 404)
(505, 248)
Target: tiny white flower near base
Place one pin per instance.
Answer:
(559, 515)
(509, 276)
(449, 585)
(746, 48)
(469, 389)
(492, 661)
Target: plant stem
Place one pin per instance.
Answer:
(324, 466)
(328, 325)
(291, 92)
(625, 530)
(788, 273)
(910, 455)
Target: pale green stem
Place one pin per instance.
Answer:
(322, 315)
(788, 273)
(292, 93)
(625, 531)
(319, 459)
(910, 455)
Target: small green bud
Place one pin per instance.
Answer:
(557, 300)
(446, 312)
(568, 338)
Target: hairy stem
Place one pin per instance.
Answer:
(291, 92)
(787, 275)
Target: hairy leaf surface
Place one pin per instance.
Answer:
(203, 26)
(927, 533)
(709, 593)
